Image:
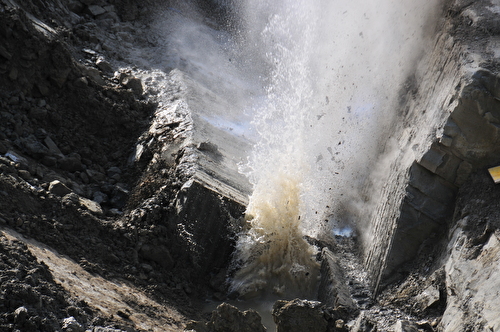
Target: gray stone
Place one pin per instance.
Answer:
(76, 6)
(227, 318)
(15, 157)
(13, 74)
(106, 329)
(363, 324)
(33, 147)
(71, 163)
(159, 254)
(134, 84)
(463, 172)
(53, 149)
(120, 197)
(58, 188)
(95, 176)
(3, 148)
(95, 76)
(446, 140)
(451, 129)
(405, 326)
(40, 134)
(38, 113)
(471, 284)
(25, 175)
(90, 205)
(111, 17)
(333, 289)
(113, 171)
(299, 315)
(432, 185)
(432, 159)
(104, 65)
(49, 161)
(428, 297)
(125, 36)
(100, 197)
(95, 10)
(70, 324)
(81, 82)
(20, 315)
(110, 8)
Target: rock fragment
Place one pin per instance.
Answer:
(405, 326)
(58, 188)
(299, 315)
(227, 318)
(20, 315)
(70, 324)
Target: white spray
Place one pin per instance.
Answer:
(322, 79)
(335, 69)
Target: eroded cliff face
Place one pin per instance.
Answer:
(449, 130)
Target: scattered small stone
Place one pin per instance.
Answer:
(120, 197)
(38, 113)
(20, 315)
(134, 84)
(25, 175)
(104, 65)
(100, 197)
(49, 161)
(428, 297)
(3, 148)
(81, 82)
(71, 163)
(228, 318)
(58, 188)
(90, 205)
(52, 146)
(405, 326)
(95, 10)
(70, 324)
(40, 134)
(13, 74)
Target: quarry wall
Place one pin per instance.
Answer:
(448, 129)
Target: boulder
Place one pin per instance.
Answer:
(90, 205)
(133, 83)
(70, 324)
(159, 254)
(405, 326)
(95, 10)
(71, 163)
(299, 315)
(20, 315)
(428, 297)
(227, 318)
(120, 197)
(58, 188)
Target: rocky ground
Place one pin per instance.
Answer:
(77, 199)
(69, 121)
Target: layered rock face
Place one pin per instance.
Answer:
(457, 93)
(448, 130)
